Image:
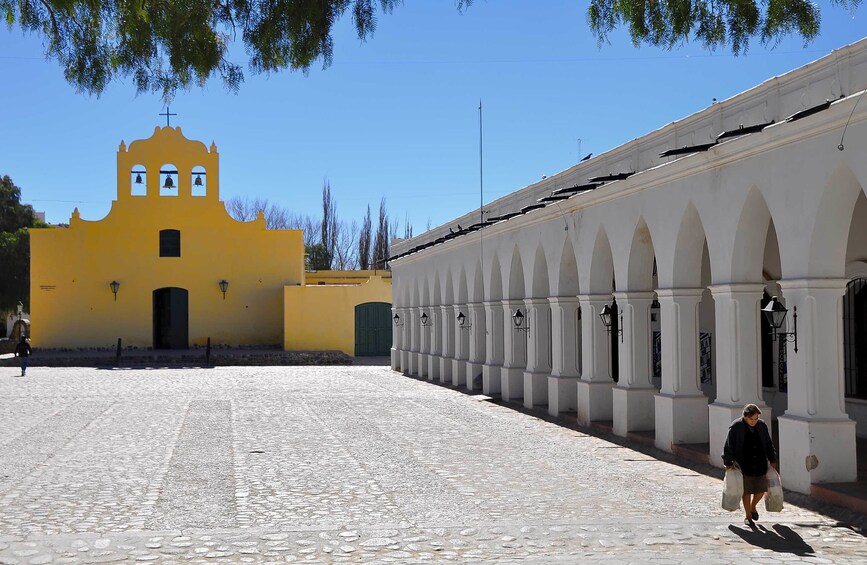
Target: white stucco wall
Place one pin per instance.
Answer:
(781, 209)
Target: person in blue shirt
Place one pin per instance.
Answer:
(23, 351)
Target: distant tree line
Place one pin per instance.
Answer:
(329, 242)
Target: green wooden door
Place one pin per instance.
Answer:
(372, 329)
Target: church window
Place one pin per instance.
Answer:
(855, 338)
(139, 180)
(199, 181)
(170, 243)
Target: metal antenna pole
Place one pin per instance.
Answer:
(481, 192)
(481, 178)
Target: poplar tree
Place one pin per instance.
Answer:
(329, 225)
(381, 243)
(364, 242)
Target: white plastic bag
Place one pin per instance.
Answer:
(774, 498)
(733, 489)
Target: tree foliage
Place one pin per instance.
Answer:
(170, 44)
(13, 214)
(15, 221)
(167, 45)
(714, 23)
(317, 258)
(15, 275)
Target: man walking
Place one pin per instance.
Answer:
(23, 351)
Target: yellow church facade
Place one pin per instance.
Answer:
(168, 268)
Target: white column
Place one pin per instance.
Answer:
(738, 360)
(403, 329)
(815, 422)
(436, 340)
(424, 341)
(395, 341)
(681, 407)
(633, 397)
(594, 389)
(515, 354)
(476, 321)
(493, 347)
(414, 322)
(538, 352)
(462, 347)
(565, 346)
(447, 331)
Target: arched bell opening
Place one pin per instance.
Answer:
(169, 180)
(138, 180)
(199, 181)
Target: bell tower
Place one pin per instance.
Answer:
(167, 165)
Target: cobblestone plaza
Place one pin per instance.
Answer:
(348, 464)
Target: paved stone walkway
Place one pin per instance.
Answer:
(347, 464)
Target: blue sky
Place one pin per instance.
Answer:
(396, 116)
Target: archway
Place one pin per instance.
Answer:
(602, 283)
(855, 309)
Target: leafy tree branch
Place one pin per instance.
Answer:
(171, 45)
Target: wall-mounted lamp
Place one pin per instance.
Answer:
(224, 286)
(425, 320)
(518, 318)
(115, 286)
(396, 319)
(608, 315)
(463, 321)
(775, 313)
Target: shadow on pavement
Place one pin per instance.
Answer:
(782, 539)
(372, 361)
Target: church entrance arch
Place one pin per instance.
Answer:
(372, 329)
(171, 318)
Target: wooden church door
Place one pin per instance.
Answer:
(171, 318)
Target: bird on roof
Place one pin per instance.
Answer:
(451, 230)
(459, 227)
(586, 157)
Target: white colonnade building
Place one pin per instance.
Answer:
(681, 237)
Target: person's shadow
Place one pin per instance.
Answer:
(782, 539)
